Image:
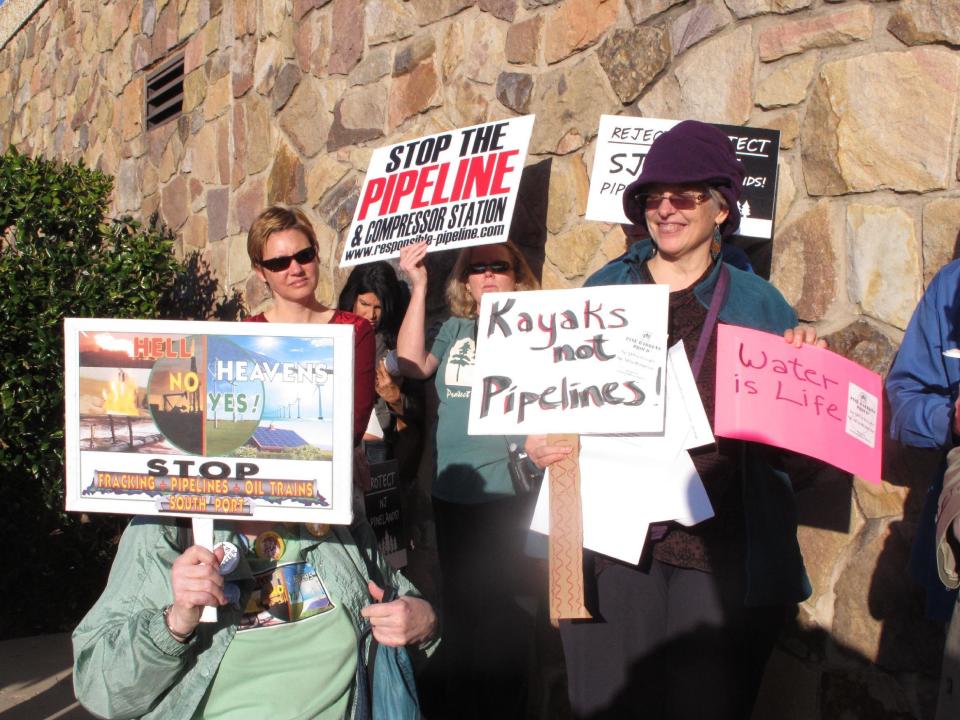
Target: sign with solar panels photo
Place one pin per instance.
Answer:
(210, 419)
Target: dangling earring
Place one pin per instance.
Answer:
(715, 246)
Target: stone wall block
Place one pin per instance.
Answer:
(941, 235)
(484, 42)
(302, 7)
(321, 175)
(567, 201)
(413, 93)
(883, 258)
(750, 8)
(452, 45)
(524, 40)
(194, 233)
(920, 22)
(643, 10)
(632, 58)
(358, 116)
(571, 252)
(388, 21)
(698, 23)
(376, 63)
(565, 100)
(804, 266)
(248, 202)
(131, 109)
(267, 63)
(513, 91)
(467, 103)
(428, 12)
(858, 142)
(174, 202)
(306, 118)
(877, 614)
(218, 210)
(787, 85)
(722, 95)
(841, 27)
(218, 99)
(865, 345)
(503, 9)
(241, 68)
(312, 43)
(204, 163)
(577, 24)
(286, 184)
(286, 83)
(346, 36)
(412, 53)
(260, 131)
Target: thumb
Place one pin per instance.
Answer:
(218, 553)
(376, 592)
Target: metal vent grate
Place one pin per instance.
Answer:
(165, 93)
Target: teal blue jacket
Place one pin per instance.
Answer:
(775, 571)
(126, 664)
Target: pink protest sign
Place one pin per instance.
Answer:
(805, 399)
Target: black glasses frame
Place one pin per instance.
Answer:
(279, 264)
(497, 266)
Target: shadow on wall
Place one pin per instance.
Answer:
(194, 295)
(529, 226)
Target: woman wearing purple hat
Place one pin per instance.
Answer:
(686, 633)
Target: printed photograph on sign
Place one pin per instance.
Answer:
(222, 419)
(623, 143)
(450, 190)
(588, 360)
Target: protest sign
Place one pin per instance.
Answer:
(585, 360)
(383, 505)
(450, 190)
(806, 399)
(623, 143)
(232, 420)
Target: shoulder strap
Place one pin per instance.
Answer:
(716, 302)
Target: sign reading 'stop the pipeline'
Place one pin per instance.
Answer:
(450, 190)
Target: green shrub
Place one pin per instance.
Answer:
(60, 257)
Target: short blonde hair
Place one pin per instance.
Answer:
(461, 302)
(276, 219)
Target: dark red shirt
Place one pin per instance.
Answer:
(364, 349)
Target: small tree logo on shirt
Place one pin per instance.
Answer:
(460, 365)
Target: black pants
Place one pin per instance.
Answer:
(672, 643)
(489, 600)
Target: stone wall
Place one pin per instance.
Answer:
(284, 102)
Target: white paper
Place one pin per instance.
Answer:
(546, 361)
(686, 425)
(621, 495)
(862, 411)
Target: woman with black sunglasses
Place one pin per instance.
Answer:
(282, 247)
(488, 584)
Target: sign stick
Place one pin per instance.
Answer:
(203, 536)
(566, 534)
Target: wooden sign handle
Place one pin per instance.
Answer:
(566, 534)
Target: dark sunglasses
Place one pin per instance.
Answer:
(279, 264)
(684, 201)
(497, 266)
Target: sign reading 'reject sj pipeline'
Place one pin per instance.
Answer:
(209, 419)
(450, 190)
(623, 143)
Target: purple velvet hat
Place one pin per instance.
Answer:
(690, 152)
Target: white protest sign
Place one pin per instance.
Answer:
(210, 419)
(547, 361)
(451, 190)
